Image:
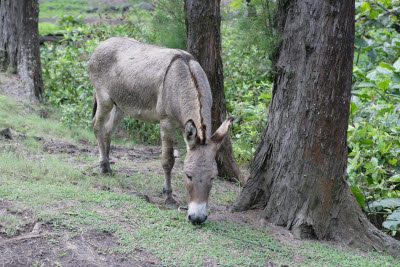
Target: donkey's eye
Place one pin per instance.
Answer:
(189, 177)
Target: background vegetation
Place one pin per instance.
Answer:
(249, 50)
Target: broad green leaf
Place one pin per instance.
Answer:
(373, 14)
(372, 74)
(358, 194)
(374, 161)
(395, 178)
(265, 96)
(353, 108)
(362, 133)
(392, 225)
(367, 142)
(383, 70)
(386, 66)
(365, 84)
(387, 3)
(387, 148)
(393, 162)
(378, 205)
(396, 65)
(236, 3)
(393, 221)
(381, 145)
(360, 42)
(365, 7)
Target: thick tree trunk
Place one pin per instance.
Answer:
(298, 176)
(19, 43)
(203, 22)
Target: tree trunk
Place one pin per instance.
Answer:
(203, 22)
(298, 175)
(19, 43)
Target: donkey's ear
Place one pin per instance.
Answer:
(221, 132)
(190, 134)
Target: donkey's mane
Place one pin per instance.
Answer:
(187, 58)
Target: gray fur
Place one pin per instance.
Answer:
(157, 85)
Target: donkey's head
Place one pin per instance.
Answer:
(200, 168)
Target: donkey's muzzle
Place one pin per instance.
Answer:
(197, 219)
(197, 213)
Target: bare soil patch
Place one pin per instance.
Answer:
(48, 247)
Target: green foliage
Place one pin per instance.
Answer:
(374, 125)
(389, 204)
(378, 205)
(256, 26)
(393, 221)
(248, 92)
(169, 24)
(66, 76)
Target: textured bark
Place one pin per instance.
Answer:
(203, 22)
(19, 43)
(298, 175)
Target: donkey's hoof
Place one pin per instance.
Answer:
(105, 168)
(171, 203)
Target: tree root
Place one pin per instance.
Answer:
(35, 233)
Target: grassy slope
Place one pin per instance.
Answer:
(56, 8)
(59, 191)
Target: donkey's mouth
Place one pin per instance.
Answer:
(197, 213)
(197, 220)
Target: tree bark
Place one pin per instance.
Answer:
(298, 175)
(19, 43)
(203, 22)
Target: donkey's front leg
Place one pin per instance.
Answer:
(168, 159)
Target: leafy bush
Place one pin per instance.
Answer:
(248, 92)
(374, 125)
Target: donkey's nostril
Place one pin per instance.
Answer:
(205, 219)
(190, 218)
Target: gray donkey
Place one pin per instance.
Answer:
(158, 85)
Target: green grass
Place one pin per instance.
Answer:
(77, 7)
(46, 28)
(30, 122)
(55, 190)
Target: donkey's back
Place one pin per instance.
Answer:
(131, 74)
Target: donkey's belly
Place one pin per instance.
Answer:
(145, 115)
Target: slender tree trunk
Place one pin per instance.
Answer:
(298, 175)
(203, 23)
(19, 43)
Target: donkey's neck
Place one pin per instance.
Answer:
(191, 109)
(188, 93)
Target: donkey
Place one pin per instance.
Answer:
(158, 85)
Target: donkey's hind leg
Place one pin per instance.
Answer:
(104, 106)
(115, 118)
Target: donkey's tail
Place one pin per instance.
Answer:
(94, 108)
